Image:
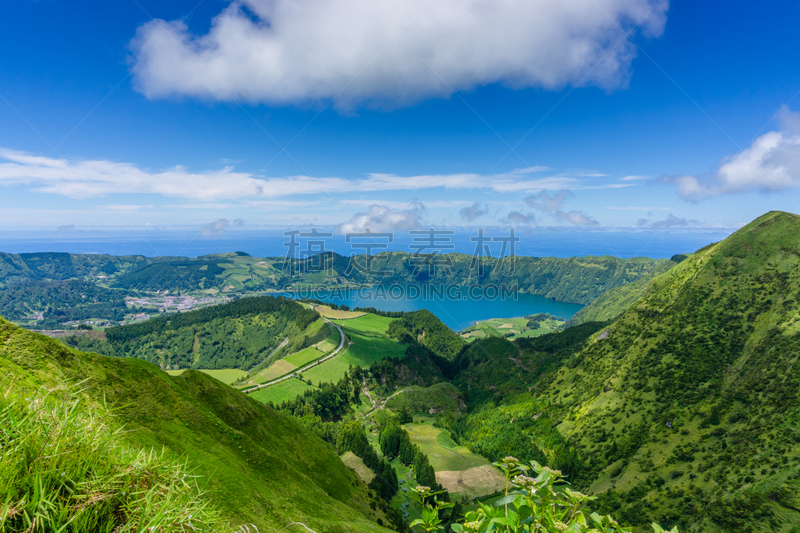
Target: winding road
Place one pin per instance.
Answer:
(342, 340)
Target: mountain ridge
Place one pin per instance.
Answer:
(262, 468)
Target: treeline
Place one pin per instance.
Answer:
(395, 443)
(336, 307)
(387, 314)
(291, 310)
(352, 438)
(330, 402)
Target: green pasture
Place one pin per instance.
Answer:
(365, 350)
(443, 453)
(356, 463)
(280, 368)
(367, 324)
(512, 328)
(285, 390)
(304, 356)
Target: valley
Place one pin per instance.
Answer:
(679, 409)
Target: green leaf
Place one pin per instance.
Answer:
(505, 500)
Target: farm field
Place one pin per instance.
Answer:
(366, 324)
(369, 344)
(276, 370)
(327, 312)
(290, 363)
(512, 328)
(280, 392)
(473, 482)
(460, 471)
(356, 463)
(225, 375)
(304, 356)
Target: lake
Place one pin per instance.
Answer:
(458, 307)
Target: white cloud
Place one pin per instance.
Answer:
(637, 208)
(474, 211)
(87, 178)
(404, 205)
(576, 217)
(548, 204)
(288, 51)
(380, 218)
(770, 163)
(90, 178)
(216, 228)
(124, 207)
(551, 205)
(670, 222)
(515, 218)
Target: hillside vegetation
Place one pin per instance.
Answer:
(683, 411)
(687, 407)
(257, 467)
(239, 334)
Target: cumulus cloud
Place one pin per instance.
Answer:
(238, 222)
(380, 218)
(770, 163)
(391, 52)
(216, 228)
(549, 204)
(670, 222)
(90, 178)
(474, 211)
(515, 218)
(576, 217)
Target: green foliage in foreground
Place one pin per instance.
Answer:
(530, 505)
(63, 468)
(537, 505)
(259, 467)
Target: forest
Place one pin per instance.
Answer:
(238, 334)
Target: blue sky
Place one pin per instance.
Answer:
(595, 114)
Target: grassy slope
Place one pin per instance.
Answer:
(262, 468)
(369, 344)
(688, 412)
(285, 390)
(443, 453)
(612, 304)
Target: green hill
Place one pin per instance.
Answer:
(683, 411)
(258, 467)
(239, 334)
(686, 409)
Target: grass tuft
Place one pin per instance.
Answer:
(63, 469)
